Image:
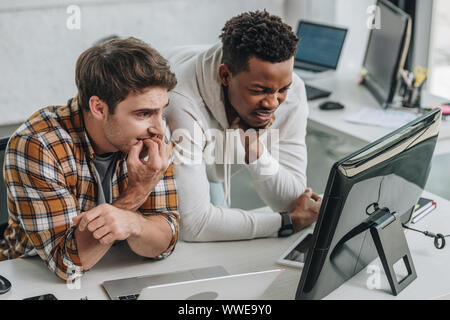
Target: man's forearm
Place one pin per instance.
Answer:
(147, 236)
(131, 199)
(149, 243)
(154, 237)
(90, 250)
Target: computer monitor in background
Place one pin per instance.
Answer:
(369, 195)
(386, 52)
(319, 47)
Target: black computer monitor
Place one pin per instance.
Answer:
(388, 174)
(319, 47)
(386, 51)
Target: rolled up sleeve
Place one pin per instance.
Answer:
(163, 201)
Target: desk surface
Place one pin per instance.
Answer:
(354, 97)
(30, 277)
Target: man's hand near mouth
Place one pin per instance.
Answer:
(250, 138)
(143, 175)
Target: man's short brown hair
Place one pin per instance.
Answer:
(113, 69)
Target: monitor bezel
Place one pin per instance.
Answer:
(303, 21)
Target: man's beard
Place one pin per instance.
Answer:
(114, 135)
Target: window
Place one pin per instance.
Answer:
(439, 54)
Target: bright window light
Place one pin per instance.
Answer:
(439, 78)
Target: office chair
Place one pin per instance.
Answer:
(3, 203)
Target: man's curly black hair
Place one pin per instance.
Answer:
(258, 34)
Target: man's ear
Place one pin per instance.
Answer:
(225, 74)
(98, 108)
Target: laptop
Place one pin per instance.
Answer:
(246, 286)
(202, 283)
(319, 49)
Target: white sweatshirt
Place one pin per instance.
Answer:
(197, 119)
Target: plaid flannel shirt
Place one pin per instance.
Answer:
(49, 173)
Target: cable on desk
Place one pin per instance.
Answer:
(439, 238)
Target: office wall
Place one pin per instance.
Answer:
(38, 50)
(353, 14)
(40, 41)
(313, 10)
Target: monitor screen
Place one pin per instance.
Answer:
(389, 173)
(386, 51)
(319, 44)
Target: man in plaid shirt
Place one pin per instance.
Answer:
(95, 171)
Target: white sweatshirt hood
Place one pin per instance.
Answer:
(210, 87)
(207, 70)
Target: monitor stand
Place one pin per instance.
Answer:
(389, 238)
(390, 241)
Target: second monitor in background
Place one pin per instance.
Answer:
(386, 51)
(320, 46)
(319, 50)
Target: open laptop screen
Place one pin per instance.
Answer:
(320, 45)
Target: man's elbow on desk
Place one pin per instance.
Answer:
(156, 237)
(98, 228)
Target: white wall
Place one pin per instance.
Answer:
(353, 14)
(38, 52)
(313, 10)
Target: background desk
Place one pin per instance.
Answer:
(30, 277)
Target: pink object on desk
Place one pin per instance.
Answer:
(445, 109)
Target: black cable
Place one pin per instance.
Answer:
(439, 239)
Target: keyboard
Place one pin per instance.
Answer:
(129, 297)
(315, 93)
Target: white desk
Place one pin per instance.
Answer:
(354, 97)
(30, 277)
